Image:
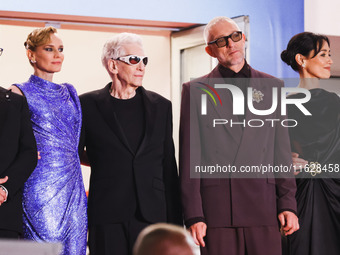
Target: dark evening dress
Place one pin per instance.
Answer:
(317, 139)
(54, 199)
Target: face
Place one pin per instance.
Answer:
(131, 75)
(231, 56)
(320, 65)
(49, 57)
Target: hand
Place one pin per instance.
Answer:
(198, 231)
(3, 196)
(3, 180)
(298, 163)
(289, 222)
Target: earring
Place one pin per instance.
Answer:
(303, 65)
(33, 61)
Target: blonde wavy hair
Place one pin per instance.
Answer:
(38, 37)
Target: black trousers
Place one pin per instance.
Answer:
(264, 240)
(9, 234)
(112, 239)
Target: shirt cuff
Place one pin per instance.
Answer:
(193, 221)
(6, 191)
(282, 210)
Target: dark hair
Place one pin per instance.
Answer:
(303, 44)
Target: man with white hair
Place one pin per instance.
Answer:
(231, 213)
(127, 132)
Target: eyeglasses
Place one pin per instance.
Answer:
(223, 41)
(133, 60)
(1, 50)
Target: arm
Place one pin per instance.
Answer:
(170, 175)
(285, 182)
(190, 187)
(16, 90)
(26, 158)
(82, 140)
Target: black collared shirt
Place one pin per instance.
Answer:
(228, 73)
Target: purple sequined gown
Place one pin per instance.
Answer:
(54, 199)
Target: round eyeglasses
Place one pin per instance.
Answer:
(223, 41)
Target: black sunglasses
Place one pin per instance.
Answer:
(223, 41)
(133, 60)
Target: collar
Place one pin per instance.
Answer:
(228, 73)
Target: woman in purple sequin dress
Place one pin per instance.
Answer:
(54, 198)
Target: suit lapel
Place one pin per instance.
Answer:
(150, 118)
(262, 85)
(258, 82)
(3, 108)
(105, 108)
(247, 131)
(224, 111)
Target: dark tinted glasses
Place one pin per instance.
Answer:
(223, 41)
(133, 59)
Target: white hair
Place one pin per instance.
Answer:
(213, 22)
(113, 47)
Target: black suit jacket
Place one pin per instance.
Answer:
(121, 179)
(18, 155)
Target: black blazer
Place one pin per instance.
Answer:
(18, 155)
(121, 178)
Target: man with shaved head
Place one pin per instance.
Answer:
(231, 213)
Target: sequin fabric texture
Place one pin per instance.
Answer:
(54, 199)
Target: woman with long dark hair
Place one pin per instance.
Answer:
(316, 148)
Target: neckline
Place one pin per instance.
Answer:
(49, 89)
(45, 84)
